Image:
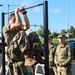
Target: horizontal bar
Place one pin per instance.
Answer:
(34, 6)
(1, 5)
(26, 8)
(15, 5)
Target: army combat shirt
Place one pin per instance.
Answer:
(63, 54)
(8, 35)
(52, 49)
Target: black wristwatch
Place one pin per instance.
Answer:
(24, 12)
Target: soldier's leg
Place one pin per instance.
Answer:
(22, 69)
(38, 57)
(69, 71)
(33, 69)
(58, 71)
(64, 71)
(10, 65)
(51, 71)
(55, 70)
(16, 69)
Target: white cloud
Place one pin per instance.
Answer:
(55, 10)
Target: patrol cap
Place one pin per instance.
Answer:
(61, 35)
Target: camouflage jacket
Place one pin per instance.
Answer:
(63, 55)
(52, 49)
(17, 42)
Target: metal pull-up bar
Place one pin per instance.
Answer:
(27, 7)
(1, 5)
(45, 18)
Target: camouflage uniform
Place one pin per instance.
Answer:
(52, 66)
(36, 46)
(17, 47)
(63, 57)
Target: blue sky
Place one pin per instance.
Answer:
(57, 13)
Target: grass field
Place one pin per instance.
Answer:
(56, 40)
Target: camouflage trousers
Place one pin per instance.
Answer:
(53, 70)
(17, 68)
(64, 71)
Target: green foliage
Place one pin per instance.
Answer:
(56, 40)
(70, 39)
(63, 31)
(42, 41)
(41, 31)
(54, 34)
(72, 29)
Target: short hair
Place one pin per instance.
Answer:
(11, 16)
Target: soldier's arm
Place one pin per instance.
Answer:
(54, 50)
(5, 30)
(70, 57)
(55, 58)
(26, 24)
(18, 22)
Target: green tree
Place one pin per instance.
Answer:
(54, 34)
(63, 31)
(41, 31)
(72, 29)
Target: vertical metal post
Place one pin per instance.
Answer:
(3, 48)
(8, 14)
(67, 8)
(45, 9)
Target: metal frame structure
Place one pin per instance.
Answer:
(45, 18)
(27, 8)
(12, 5)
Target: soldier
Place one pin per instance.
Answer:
(52, 49)
(36, 49)
(13, 32)
(63, 57)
